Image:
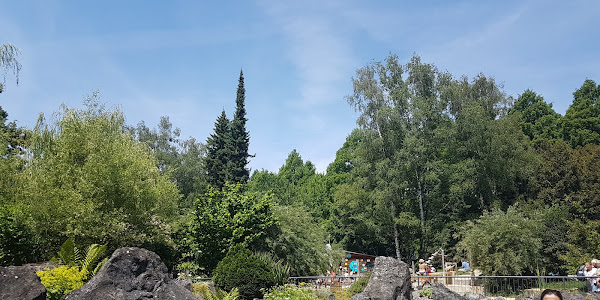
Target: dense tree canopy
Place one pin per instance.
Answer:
(90, 180)
(435, 161)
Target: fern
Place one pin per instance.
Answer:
(66, 255)
(220, 294)
(202, 289)
(92, 255)
(70, 255)
(100, 264)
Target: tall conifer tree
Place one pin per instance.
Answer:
(240, 138)
(219, 152)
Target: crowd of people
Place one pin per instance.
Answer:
(589, 271)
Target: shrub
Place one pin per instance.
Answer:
(202, 289)
(428, 292)
(243, 270)
(281, 270)
(359, 285)
(15, 240)
(60, 281)
(502, 243)
(342, 294)
(289, 292)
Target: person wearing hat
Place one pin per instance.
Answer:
(422, 267)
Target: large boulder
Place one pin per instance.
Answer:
(21, 283)
(441, 292)
(390, 281)
(132, 274)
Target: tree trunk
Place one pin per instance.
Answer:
(396, 241)
(420, 195)
(422, 212)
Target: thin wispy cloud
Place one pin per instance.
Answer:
(319, 51)
(182, 59)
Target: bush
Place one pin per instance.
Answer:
(502, 243)
(428, 292)
(202, 289)
(243, 270)
(15, 240)
(289, 292)
(60, 281)
(359, 285)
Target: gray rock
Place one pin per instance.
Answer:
(578, 296)
(184, 283)
(21, 283)
(441, 292)
(132, 274)
(472, 296)
(390, 281)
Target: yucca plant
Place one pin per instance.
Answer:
(281, 270)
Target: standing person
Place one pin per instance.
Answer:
(550, 294)
(422, 267)
(422, 270)
(596, 272)
(588, 272)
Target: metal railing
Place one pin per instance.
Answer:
(333, 282)
(487, 286)
(507, 285)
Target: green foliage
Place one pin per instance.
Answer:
(502, 243)
(16, 245)
(9, 62)
(567, 179)
(426, 292)
(583, 243)
(202, 289)
(227, 155)
(60, 281)
(243, 270)
(290, 292)
(240, 139)
(300, 242)
(581, 123)
(225, 218)
(359, 285)
(69, 255)
(182, 160)
(218, 147)
(281, 270)
(90, 180)
(538, 120)
(434, 149)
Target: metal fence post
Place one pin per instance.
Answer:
(484, 285)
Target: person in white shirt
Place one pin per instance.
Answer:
(589, 272)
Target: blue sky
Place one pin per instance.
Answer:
(182, 58)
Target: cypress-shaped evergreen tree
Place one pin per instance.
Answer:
(219, 152)
(240, 138)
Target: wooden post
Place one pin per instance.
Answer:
(444, 268)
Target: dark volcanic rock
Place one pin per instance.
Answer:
(132, 274)
(441, 292)
(21, 283)
(390, 281)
